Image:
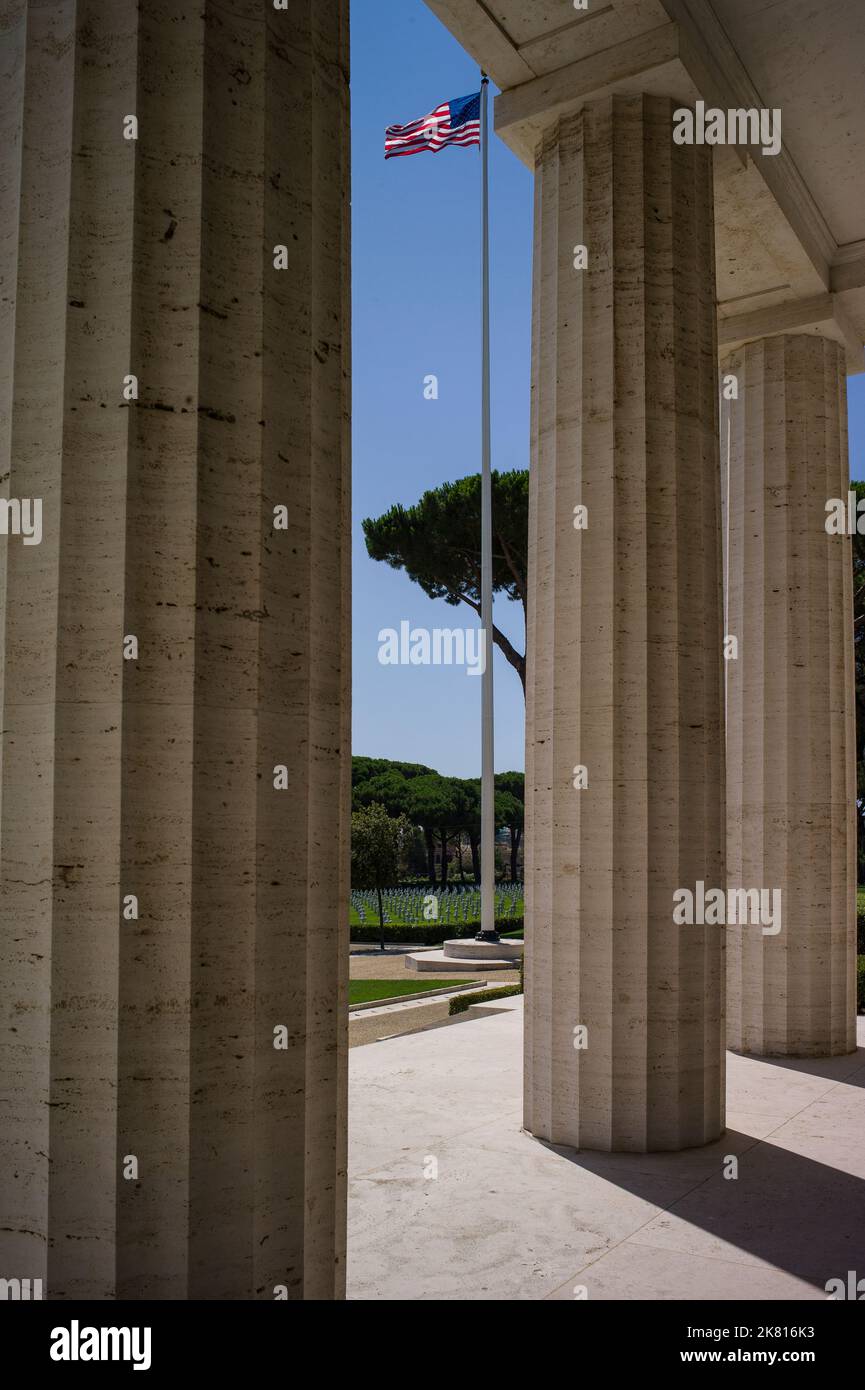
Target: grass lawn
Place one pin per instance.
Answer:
(364, 991)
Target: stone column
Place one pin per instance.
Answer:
(625, 658)
(790, 699)
(174, 922)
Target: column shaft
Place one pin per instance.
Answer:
(790, 699)
(152, 1036)
(625, 639)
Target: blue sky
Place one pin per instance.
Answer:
(416, 308)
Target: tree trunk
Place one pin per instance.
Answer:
(516, 835)
(430, 854)
(444, 840)
(476, 856)
(505, 646)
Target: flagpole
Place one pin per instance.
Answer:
(488, 826)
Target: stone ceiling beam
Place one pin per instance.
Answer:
(567, 88)
(823, 314)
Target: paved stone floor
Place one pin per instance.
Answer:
(370, 1025)
(508, 1217)
(367, 963)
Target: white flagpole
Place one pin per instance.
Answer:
(488, 824)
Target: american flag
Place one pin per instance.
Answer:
(453, 123)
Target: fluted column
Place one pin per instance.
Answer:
(173, 910)
(625, 639)
(790, 698)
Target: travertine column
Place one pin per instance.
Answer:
(625, 639)
(790, 699)
(152, 1036)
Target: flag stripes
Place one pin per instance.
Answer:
(453, 123)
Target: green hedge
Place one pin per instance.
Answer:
(860, 981)
(429, 933)
(461, 1002)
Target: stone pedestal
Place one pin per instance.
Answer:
(790, 698)
(624, 1042)
(169, 911)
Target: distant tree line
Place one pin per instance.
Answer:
(446, 812)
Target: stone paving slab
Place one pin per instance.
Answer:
(508, 1217)
(368, 964)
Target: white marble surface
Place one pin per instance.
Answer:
(508, 1217)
